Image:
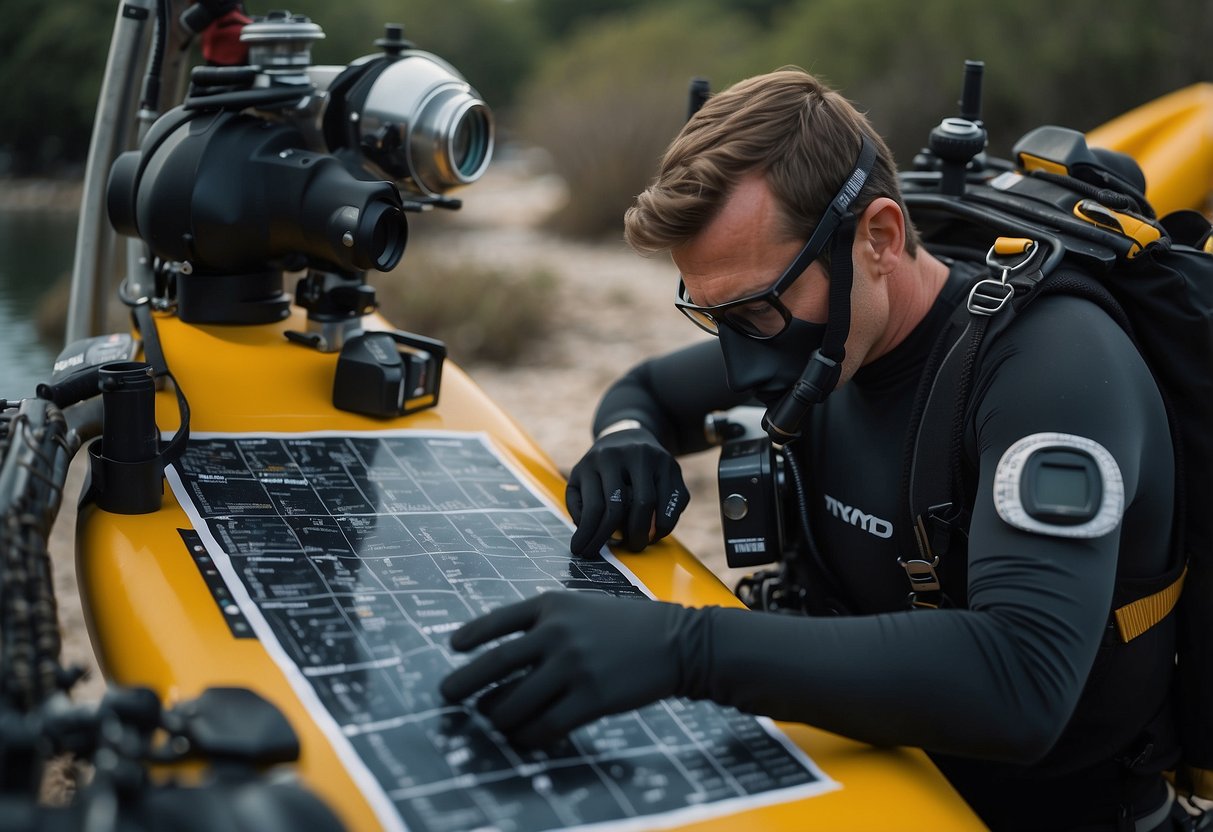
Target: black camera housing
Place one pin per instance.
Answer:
(240, 199)
(388, 374)
(750, 476)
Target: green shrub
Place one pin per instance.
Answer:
(606, 102)
(51, 59)
(1077, 63)
(607, 98)
(486, 315)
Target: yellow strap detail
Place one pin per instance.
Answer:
(1029, 162)
(1134, 619)
(1201, 780)
(1012, 245)
(1208, 246)
(1139, 231)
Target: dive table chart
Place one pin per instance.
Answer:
(354, 556)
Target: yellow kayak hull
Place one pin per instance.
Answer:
(154, 622)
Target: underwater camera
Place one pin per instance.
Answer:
(750, 477)
(280, 166)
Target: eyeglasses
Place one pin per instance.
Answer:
(763, 315)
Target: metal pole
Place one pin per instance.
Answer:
(95, 239)
(140, 279)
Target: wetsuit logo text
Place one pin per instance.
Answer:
(867, 522)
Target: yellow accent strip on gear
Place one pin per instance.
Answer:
(1201, 780)
(1012, 245)
(1134, 619)
(1029, 162)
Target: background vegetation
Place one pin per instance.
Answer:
(484, 314)
(601, 84)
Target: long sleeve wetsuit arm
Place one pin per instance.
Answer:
(670, 395)
(999, 679)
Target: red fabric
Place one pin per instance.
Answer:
(221, 44)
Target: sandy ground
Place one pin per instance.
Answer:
(614, 309)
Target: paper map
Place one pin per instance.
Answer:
(354, 556)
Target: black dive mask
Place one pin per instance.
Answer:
(769, 368)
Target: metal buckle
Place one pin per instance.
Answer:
(921, 573)
(996, 262)
(988, 297)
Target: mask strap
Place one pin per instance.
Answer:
(842, 275)
(824, 367)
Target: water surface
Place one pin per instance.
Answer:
(35, 252)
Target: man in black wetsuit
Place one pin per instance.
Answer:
(1015, 689)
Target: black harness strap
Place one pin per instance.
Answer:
(933, 483)
(928, 474)
(842, 276)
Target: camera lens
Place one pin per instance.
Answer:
(388, 234)
(469, 144)
(382, 234)
(422, 125)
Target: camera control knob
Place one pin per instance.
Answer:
(735, 507)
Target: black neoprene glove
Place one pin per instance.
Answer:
(581, 656)
(627, 481)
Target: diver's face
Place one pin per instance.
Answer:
(743, 252)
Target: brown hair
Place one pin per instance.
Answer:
(802, 136)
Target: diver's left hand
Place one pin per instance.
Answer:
(581, 656)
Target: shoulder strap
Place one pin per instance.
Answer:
(932, 483)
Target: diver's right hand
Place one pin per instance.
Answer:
(626, 481)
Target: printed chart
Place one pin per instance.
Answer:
(353, 557)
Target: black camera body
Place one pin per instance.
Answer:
(750, 476)
(388, 373)
(281, 166)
